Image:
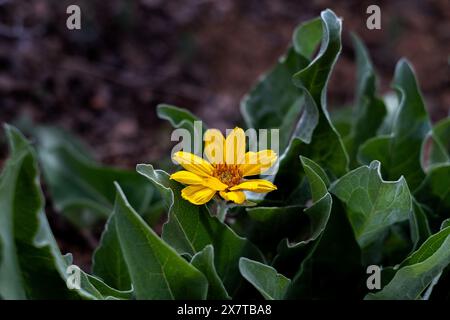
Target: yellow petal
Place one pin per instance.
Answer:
(214, 146)
(197, 194)
(193, 163)
(257, 162)
(235, 147)
(214, 183)
(187, 177)
(235, 196)
(255, 185)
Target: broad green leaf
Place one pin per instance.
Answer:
(80, 188)
(183, 119)
(265, 279)
(204, 261)
(325, 257)
(445, 223)
(177, 117)
(278, 222)
(369, 109)
(375, 148)
(190, 228)
(31, 266)
(274, 102)
(434, 191)
(317, 215)
(314, 136)
(420, 229)
(108, 262)
(440, 144)
(331, 267)
(107, 292)
(402, 152)
(418, 270)
(291, 224)
(372, 204)
(157, 271)
(342, 119)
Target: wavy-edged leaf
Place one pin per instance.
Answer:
(372, 204)
(108, 262)
(418, 270)
(80, 188)
(420, 228)
(157, 271)
(31, 266)
(434, 191)
(328, 249)
(439, 147)
(204, 261)
(369, 109)
(190, 228)
(315, 136)
(274, 102)
(265, 279)
(402, 151)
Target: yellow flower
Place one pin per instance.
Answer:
(225, 171)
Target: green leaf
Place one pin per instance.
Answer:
(314, 137)
(440, 147)
(420, 229)
(105, 291)
(31, 266)
(190, 228)
(275, 102)
(369, 109)
(80, 188)
(403, 149)
(156, 270)
(183, 119)
(434, 191)
(108, 262)
(265, 279)
(204, 261)
(331, 266)
(372, 204)
(294, 226)
(324, 261)
(418, 270)
(375, 148)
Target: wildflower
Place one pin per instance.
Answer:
(226, 170)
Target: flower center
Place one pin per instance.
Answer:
(227, 173)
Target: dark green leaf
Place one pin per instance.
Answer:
(156, 270)
(440, 143)
(372, 204)
(265, 279)
(81, 188)
(108, 262)
(420, 229)
(402, 151)
(435, 190)
(418, 270)
(204, 261)
(369, 109)
(314, 137)
(275, 102)
(31, 266)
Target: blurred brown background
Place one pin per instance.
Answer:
(104, 81)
